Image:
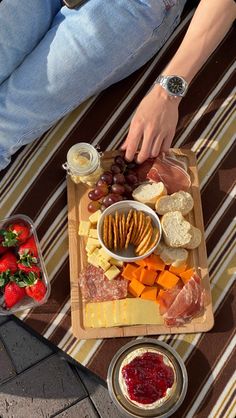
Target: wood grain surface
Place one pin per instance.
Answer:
(77, 211)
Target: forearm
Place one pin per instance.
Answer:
(210, 23)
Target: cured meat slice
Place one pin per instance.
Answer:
(95, 287)
(171, 172)
(143, 169)
(167, 298)
(187, 304)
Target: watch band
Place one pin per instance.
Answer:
(164, 79)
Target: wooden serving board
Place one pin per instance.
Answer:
(77, 211)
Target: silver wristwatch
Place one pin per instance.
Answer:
(174, 85)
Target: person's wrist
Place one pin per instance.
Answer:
(159, 92)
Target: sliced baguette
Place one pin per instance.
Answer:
(196, 239)
(176, 230)
(172, 256)
(181, 201)
(148, 193)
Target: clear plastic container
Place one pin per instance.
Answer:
(172, 402)
(83, 164)
(26, 302)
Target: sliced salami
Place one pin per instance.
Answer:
(95, 287)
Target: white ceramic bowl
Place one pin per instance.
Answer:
(128, 255)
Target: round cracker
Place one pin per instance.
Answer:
(120, 232)
(141, 226)
(135, 227)
(117, 227)
(153, 243)
(146, 240)
(110, 231)
(129, 233)
(105, 231)
(146, 227)
(128, 219)
(114, 234)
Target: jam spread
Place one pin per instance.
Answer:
(147, 378)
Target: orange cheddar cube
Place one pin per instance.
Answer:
(167, 279)
(135, 287)
(128, 271)
(148, 277)
(177, 270)
(186, 275)
(137, 273)
(154, 262)
(141, 262)
(150, 292)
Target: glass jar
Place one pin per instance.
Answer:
(83, 164)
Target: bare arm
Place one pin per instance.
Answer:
(155, 120)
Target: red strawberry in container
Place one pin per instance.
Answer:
(8, 267)
(13, 294)
(15, 234)
(35, 270)
(28, 252)
(36, 291)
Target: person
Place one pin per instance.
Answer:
(53, 58)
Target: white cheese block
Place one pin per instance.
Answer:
(84, 227)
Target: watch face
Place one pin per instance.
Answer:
(175, 85)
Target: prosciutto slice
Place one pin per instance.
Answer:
(185, 304)
(171, 171)
(95, 287)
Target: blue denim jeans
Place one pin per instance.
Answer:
(53, 58)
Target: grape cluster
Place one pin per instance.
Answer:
(114, 185)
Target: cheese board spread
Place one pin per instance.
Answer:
(138, 263)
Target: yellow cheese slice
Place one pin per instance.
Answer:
(129, 311)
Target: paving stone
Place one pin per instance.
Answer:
(99, 396)
(82, 409)
(6, 367)
(24, 348)
(42, 391)
(3, 319)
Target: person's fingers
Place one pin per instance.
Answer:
(157, 143)
(132, 141)
(166, 143)
(146, 147)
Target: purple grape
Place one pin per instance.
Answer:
(118, 189)
(131, 179)
(93, 195)
(101, 183)
(115, 168)
(93, 206)
(119, 178)
(107, 177)
(128, 189)
(120, 161)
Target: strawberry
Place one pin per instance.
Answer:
(8, 262)
(36, 291)
(15, 234)
(8, 266)
(13, 294)
(32, 269)
(28, 252)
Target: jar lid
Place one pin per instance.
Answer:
(82, 159)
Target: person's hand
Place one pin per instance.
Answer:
(153, 126)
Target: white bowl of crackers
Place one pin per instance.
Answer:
(129, 230)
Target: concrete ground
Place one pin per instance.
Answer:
(37, 380)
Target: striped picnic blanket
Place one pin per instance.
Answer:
(35, 184)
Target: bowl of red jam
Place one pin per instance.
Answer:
(147, 378)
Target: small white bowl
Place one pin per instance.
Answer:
(128, 254)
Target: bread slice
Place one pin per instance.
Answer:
(148, 193)
(176, 230)
(196, 239)
(172, 256)
(181, 201)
